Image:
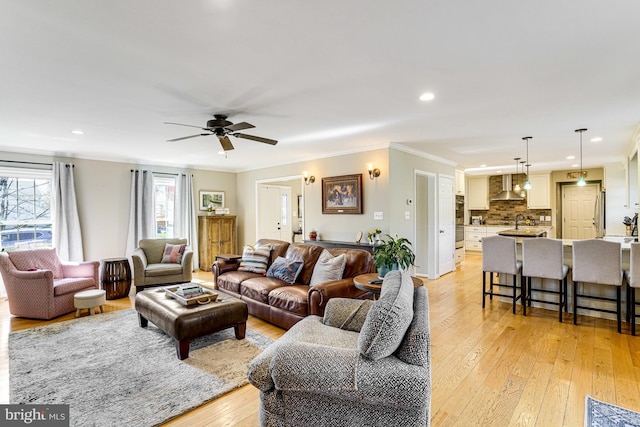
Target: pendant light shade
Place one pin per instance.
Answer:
(527, 183)
(581, 180)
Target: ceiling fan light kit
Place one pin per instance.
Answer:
(222, 128)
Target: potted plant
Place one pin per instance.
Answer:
(393, 253)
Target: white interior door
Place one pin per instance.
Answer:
(426, 240)
(274, 215)
(577, 211)
(446, 225)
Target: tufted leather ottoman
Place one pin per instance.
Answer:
(185, 323)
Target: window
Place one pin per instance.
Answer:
(164, 187)
(25, 209)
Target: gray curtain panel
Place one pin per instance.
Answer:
(141, 216)
(185, 214)
(67, 235)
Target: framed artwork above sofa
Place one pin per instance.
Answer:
(342, 194)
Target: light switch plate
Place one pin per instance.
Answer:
(547, 218)
(407, 215)
(377, 216)
(541, 218)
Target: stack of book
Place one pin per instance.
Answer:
(189, 290)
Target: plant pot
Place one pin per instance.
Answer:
(382, 271)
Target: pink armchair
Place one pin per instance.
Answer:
(40, 286)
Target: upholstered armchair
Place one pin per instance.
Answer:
(363, 363)
(40, 286)
(161, 262)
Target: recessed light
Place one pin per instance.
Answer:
(221, 152)
(498, 171)
(427, 96)
(596, 139)
(483, 166)
(575, 165)
(77, 132)
(571, 157)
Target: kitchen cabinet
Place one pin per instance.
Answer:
(460, 184)
(539, 196)
(473, 235)
(216, 235)
(459, 256)
(478, 193)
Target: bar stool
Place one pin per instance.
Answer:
(632, 276)
(597, 261)
(542, 258)
(499, 256)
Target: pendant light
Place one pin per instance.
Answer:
(581, 181)
(527, 183)
(517, 186)
(523, 193)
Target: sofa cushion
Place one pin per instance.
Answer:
(294, 299)
(306, 253)
(230, 281)
(328, 268)
(255, 259)
(72, 285)
(173, 253)
(38, 259)
(155, 270)
(389, 318)
(258, 289)
(285, 269)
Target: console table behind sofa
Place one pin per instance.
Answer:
(338, 244)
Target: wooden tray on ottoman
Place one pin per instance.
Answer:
(206, 298)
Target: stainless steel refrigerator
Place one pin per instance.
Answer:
(599, 214)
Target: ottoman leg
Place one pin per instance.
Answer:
(142, 321)
(77, 312)
(240, 330)
(182, 348)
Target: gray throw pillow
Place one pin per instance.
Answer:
(389, 318)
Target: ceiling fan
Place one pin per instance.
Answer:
(221, 127)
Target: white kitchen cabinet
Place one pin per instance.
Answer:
(474, 234)
(459, 256)
(460, 184)
(539, 196)
(478, 193)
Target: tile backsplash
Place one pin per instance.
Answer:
(503, 211)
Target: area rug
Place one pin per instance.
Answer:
(113, 372)
(602, 414)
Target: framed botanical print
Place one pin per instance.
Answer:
(210, 200)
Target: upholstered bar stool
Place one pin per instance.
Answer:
(632, 276)
(499, 256)
(597, 261)
(542, 258)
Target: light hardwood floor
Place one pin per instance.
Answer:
(490, 367)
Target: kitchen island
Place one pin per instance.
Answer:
(526, 232)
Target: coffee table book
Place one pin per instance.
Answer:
(205, 297)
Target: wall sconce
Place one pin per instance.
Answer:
(308, 179)
(373, 173)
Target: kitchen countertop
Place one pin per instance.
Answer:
(524, 232)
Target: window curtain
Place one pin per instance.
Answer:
(141, 215)
(185, 215)
(67, 236)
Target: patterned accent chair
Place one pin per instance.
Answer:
(40, 286)
(149, 269)
(363, 363)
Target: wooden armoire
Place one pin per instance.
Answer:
(216, 235)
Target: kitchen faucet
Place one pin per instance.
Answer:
(521, 217)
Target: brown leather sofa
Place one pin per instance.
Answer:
(284, 304)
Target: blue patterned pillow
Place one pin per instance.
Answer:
(285, 269)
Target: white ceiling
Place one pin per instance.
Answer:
(323, 78)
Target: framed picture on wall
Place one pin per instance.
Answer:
(211, 200)
(342, 194)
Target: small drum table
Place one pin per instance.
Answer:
(115, 277)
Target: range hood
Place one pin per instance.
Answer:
(507, 193)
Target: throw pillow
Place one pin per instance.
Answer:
(389, 318)
(284, 269)
(414, 348)
(172, 253)
(255, 260)
(328, 268)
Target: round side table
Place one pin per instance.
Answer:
(362, 282)
(115, 277)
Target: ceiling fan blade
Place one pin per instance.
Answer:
(182, 124)
(225, 142)
(187, 137)
(255, 138)
(239, 126)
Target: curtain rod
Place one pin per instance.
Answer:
(160, 173)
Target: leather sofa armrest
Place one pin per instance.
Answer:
(220, 266)
(321, 293)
